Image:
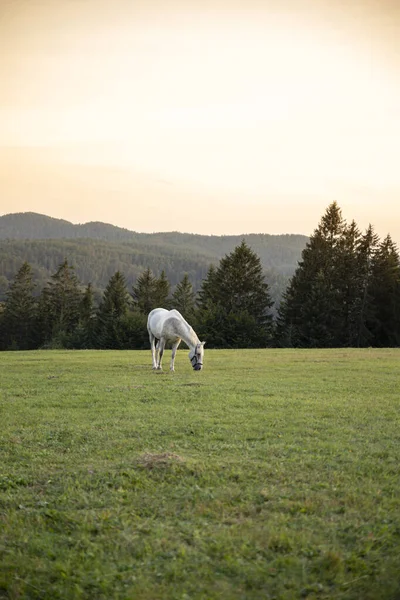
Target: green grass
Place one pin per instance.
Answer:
(270, 474)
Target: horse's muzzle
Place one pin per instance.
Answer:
(198, 367)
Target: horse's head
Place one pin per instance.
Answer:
(196, 356)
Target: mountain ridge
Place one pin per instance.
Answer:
(22, 216)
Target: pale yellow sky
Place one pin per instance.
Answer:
(210, 117)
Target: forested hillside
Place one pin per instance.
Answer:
(97, 250)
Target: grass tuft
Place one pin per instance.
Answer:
(151, 461)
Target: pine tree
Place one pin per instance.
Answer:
(4, 285)
(349, 286)
(183, 299)
(85, 333)
(19, 316)
(385, 293)
(235, 301)
(209, 315)
(87, 310)
(112, 310)
(150, 292)
(59, 305)
(365, 315)
(311, 312)
(162, 291)
(206, 296)
(144, 292)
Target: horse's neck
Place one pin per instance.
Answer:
(189, 336)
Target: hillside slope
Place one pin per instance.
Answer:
(97, 250)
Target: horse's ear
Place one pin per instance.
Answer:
(202, 343)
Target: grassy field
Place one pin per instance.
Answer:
(270, 474)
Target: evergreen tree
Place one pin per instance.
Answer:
(133, 328)
(311, 312)
(365, 315)
(209, 315)
(150, 292)
(240, 284)
(206, 296)
(3, 338)
(112, 310)
(19, 312)
(183, 299)
(162, 291)
(385, 292)
(85, 333)
(59, 306)
(87, 310)
(349, 286)
(235, 301)
(4, 285)
(145, 291)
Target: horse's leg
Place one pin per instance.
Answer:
(153, 349)
(157, 348)
(161, 346)
(174, 349)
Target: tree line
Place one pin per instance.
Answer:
(344, 292)
(96, 261)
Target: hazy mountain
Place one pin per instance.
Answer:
(33, 226)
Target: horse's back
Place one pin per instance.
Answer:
(155, 319)
(175, 313)
(156, 313)
(159, 318)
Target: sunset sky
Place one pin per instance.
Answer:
(208, 117)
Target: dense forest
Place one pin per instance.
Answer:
(344, 292)
(98, 250)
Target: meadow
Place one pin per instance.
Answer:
(271, 474)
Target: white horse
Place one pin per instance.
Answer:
(169, 326)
